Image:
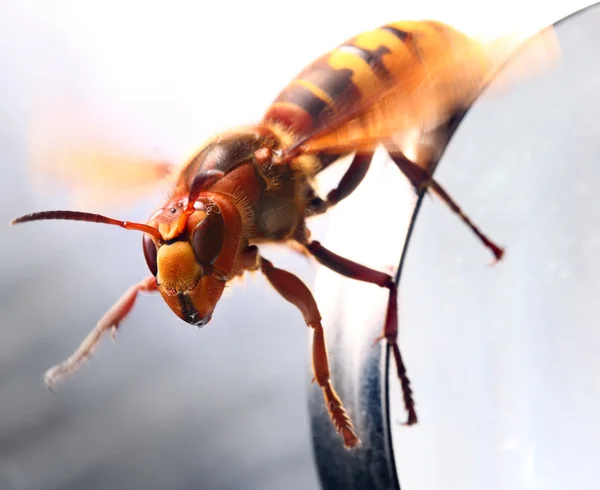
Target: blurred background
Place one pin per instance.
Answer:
(169, 406)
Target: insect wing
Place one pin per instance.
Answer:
(99, 164)
(438, 82)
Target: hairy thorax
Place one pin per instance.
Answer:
(272, 203)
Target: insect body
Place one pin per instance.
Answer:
(255, 185)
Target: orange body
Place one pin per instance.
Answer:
(268, 198)
(255, 185)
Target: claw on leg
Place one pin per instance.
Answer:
(337, 413)
(110, 321)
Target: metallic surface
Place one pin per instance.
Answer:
(354, 312)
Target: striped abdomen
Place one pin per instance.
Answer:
(356, 73)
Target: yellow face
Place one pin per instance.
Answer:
(187, 263)
(184, 285)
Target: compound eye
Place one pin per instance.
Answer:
(150, 253)
(208, 237)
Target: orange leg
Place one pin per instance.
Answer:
(110, 321)
(296, 292)
(359, 272)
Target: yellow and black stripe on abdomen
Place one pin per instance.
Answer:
(338, 81)
(306, 98)
(373, 59)
(309, 101)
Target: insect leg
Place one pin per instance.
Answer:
(110, 321)
(296, 292)
(422, 179)
(360, 272)
(351, 179)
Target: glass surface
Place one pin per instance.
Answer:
(354, 313)
(504, 360)
(505, 381)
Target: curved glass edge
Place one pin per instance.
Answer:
(495, 354)
(356, 364)
(353, 315)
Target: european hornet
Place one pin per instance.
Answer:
(254, 185)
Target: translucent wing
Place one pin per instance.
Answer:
(449, 75)
(101, 163)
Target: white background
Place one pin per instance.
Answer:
(168, 407)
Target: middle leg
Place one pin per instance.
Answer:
(360, 272)
(351, 179)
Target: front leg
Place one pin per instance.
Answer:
(296, 292)
(110, 321)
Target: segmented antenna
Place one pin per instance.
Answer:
(89, 217)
